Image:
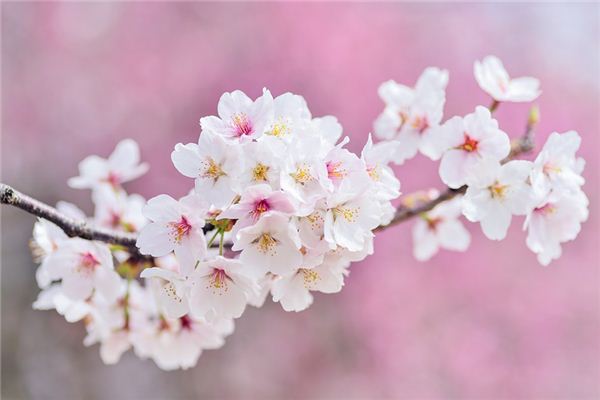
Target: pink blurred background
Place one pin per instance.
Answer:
(489, 323)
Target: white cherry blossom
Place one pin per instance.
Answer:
(123, 165)
(293, 290)
(496, 193)
(440, 228)
(350, 220)
(411, 114)
(221, 288)
(465, 142)
(556, 166)
(117, 210)
(555, 219)
(271, 245)
(291, 116)
(262, 163)
(494, 80)
(84, 267)
(240, 118)
(175, 225)
(213, 163)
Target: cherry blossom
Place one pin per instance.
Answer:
(494, 80)
(464, 142)
(556, 165)
(350, 220)
(123, 165)
(257, 201)
(440, 228)
(411, 114)
(270, 245)
(240, 118)
(221, 288)
(293, 290)
(83, 266)
(175, 225)
(213, 163)
(118, 210)
(554, 220)
(496, 193)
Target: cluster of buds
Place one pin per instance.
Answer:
(280, 208)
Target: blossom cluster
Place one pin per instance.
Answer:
(474, 154)
(95, 283)
(278, 207)
(289, 205)
(282, 189)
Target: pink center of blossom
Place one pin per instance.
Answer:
(88, 262)
(432, 223)
(113, 179)
(115, 219)
(420, 124)
(218, 280)
(335, 170)
(242, 125)
(180, 229)
(186, 322)
(260, 207)
(469, 144)
(546, 209)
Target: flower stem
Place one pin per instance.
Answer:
(221, 242)
(212, 239)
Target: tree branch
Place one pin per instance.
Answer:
(84, 230)
(72, 227)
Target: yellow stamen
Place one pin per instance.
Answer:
(259, 173)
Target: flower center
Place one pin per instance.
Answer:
(420, 124)
(212, 170)
(88, 261)
(180, 229)
(279, 129)
(186, 322)
(260, 207)
(498, 190)
(113, 179)
(302, 175)
(373, 171)
(259, 173)
(115, 219)
(309, 277)
(241, 124)
(335, 170)
(349, 214)
(266, 243)
(219, 279)
(469, 144)
(432, 223)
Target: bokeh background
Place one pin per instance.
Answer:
(486, 324)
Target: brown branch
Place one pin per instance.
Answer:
(84, 230)
(72, 227)
(520, 146)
